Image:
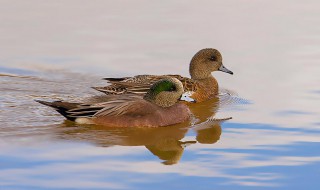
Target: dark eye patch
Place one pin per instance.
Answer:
(213, 58)
(173, 88)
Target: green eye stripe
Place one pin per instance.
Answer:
(163, 86)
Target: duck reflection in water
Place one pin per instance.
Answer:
(208, 128)
(164, 142)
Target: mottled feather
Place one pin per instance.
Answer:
(140, 84)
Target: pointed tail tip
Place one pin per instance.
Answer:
(112, 79)
(44, 102)
(95, 88)
(39, 101)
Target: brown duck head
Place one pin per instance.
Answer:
(206, 61)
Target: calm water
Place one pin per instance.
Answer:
(58, 49)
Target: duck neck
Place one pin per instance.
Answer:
(199, 71)
(163, 99)
(208, 81)
(208, 86)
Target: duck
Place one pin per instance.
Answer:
(201, 86)
(159, 107)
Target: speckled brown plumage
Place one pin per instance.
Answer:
(202, 84)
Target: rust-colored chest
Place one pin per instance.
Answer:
(205, 89)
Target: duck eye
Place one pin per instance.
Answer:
(213, 58)
(173, 88)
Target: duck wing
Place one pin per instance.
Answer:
(119, 107)
(138, 79)
(98, 107)
(140, 84)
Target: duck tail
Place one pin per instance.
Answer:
(61, 107)
(116, 79)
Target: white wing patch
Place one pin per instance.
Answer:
(187, 96)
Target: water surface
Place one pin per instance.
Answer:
(57, 50)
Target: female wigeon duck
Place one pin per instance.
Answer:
(202, 85)
(158, 107)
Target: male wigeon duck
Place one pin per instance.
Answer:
(202, 85)
(158, 107)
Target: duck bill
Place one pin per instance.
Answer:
(224, 69)
(186, 97)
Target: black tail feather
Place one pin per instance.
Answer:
(115, 79)
(61, 107)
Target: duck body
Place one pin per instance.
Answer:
(158, 107)
(146, 115)
(201, 86)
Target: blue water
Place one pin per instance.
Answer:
(58, 50)
(66, 164)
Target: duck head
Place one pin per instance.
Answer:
(206, 61)
(166, 92)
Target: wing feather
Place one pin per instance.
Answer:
(134, 107)
(140, 84)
